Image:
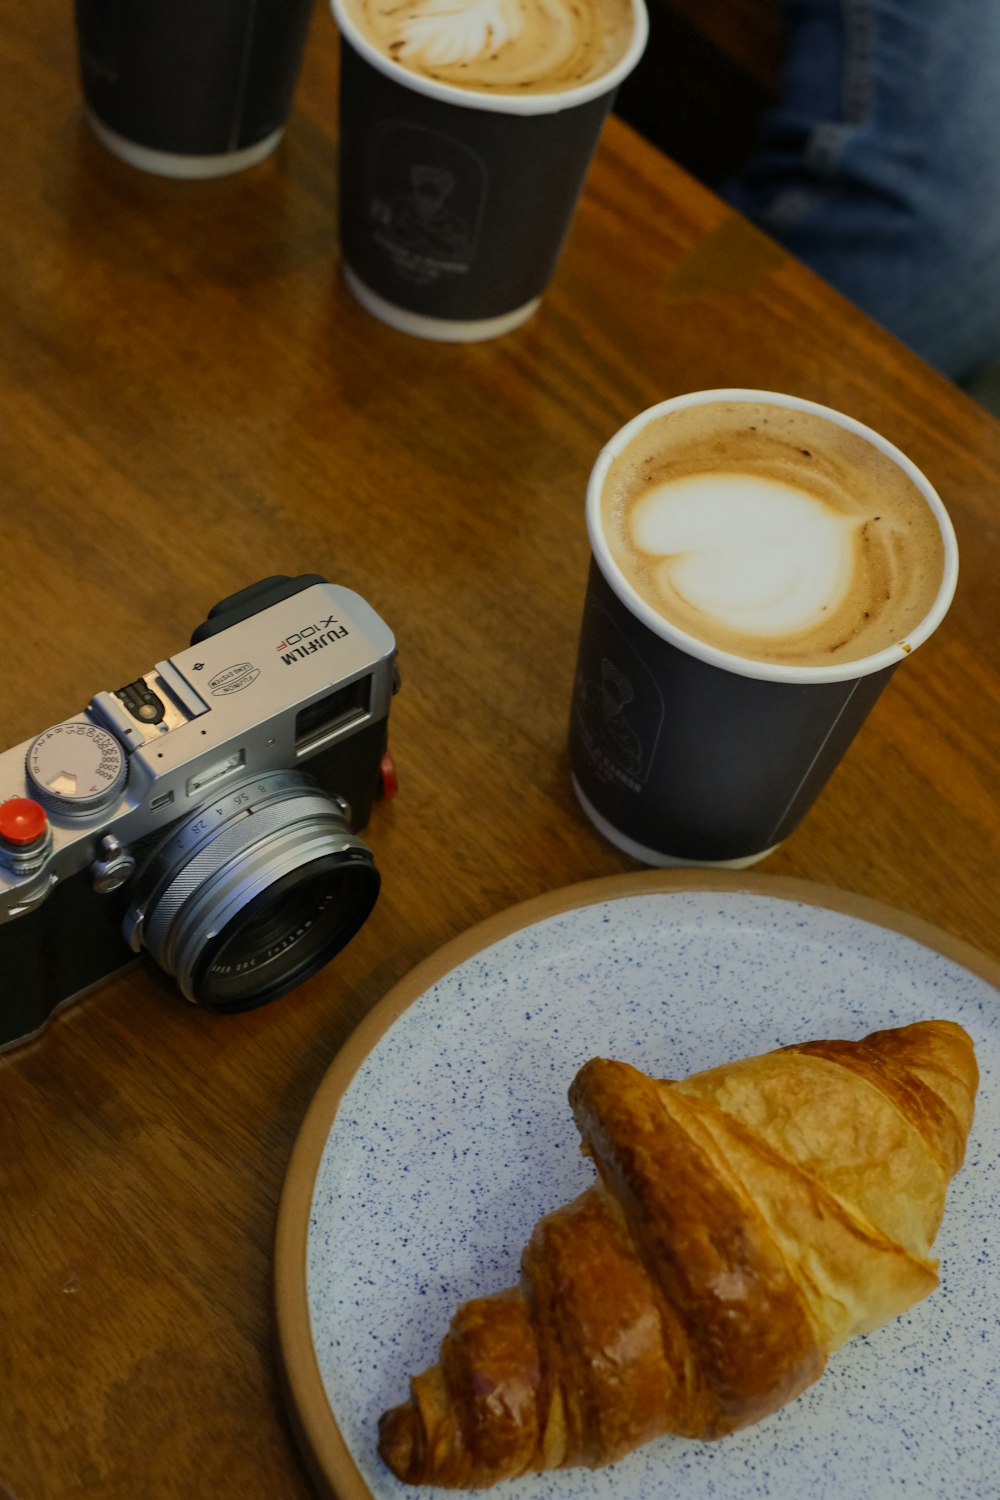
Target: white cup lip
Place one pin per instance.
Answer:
(504, 104)
(728, 661)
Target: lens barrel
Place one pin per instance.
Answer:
(252, 895)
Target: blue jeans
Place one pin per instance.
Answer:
(880, 166)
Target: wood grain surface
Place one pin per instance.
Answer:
(191, 400)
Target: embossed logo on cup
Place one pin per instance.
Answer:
(426, 193)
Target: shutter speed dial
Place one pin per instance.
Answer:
(77, 769)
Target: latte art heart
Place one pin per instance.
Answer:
(771, 533)
(757, 556)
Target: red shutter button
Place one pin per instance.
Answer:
(22, 822)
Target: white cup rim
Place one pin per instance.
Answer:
(504, 104)
(728, 661)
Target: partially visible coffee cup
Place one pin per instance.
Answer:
(467, 128)
(761, 564)
(185, 88)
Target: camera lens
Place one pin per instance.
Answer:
(285, 934)
(252, 895)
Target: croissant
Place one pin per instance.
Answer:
(745, 1222)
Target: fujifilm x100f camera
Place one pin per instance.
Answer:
(206, 813)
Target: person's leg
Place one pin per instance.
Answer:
(880, 167)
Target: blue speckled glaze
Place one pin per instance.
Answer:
(455, 1136)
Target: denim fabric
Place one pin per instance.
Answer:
(880, 166)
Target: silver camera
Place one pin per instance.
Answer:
(205, 814)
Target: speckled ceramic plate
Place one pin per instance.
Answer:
(442, 1132)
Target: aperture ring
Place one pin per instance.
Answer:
(232, 841)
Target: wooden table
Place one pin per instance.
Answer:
(191, 400)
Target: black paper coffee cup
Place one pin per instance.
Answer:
(454, 204)
(190, 88)
(684, 754)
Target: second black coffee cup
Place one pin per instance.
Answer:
(761, 565)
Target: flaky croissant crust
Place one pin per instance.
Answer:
(745, 1222)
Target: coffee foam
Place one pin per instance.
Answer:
(502, 46)
(772, 534)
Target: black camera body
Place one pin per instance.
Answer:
(206, 813)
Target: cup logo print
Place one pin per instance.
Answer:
(619, 707)
(425, 202)
(752, 554)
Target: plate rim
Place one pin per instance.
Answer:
(326, 1454)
